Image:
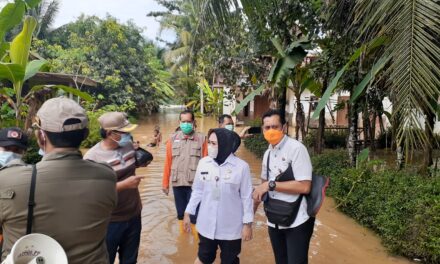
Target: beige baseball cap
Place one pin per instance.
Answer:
(53, 114)
(116, 121)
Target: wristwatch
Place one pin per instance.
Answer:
(272, 185)
(249, 224)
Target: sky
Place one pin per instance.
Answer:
(123, 10)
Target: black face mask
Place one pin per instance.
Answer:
(228, 143)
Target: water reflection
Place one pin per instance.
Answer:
(337, 238)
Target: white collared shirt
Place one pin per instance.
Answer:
(288, 151)
(225, 196)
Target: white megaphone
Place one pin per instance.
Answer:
(36, 249)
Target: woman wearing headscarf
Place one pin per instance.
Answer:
(223, 187)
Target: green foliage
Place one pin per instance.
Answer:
(212, 99)
(256, 144)
(254, 122)
(401, 207)
(333, 138)
(117, 55)
(354, 57)
(31, 155)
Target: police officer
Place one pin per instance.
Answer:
(74, 198)
(184, 149)
(13, 144)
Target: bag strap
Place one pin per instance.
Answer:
(31, 201)
(267, 166)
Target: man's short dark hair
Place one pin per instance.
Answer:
(68, 139)
(221, 119)
(273, 112)
(184, 112)
(103, 132)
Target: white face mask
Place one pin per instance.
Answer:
(212, 151)
(230, 127)
(7, 156)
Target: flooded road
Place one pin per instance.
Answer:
(337, 238)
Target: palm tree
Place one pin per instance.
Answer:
(45, 14)
(413, 29)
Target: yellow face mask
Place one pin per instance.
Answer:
(273, 136)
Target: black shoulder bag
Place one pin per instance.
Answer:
(31, 201)
(278, 212)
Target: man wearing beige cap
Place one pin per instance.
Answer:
(116, 149)
(73, 198)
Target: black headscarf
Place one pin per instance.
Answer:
(228, 143)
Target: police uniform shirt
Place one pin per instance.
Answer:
(74, 199)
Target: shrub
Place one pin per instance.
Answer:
(402, 207)
(256, 144)
(31, 156)
(333, 139)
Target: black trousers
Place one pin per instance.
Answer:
(229, 250)
(291, 246)
(182, 194)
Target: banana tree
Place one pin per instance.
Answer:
(17, 69)
(213, 99)
(287, 59)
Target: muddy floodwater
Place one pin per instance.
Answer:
(337, 238)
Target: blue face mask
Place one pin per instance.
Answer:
(125, 140)
(230, 127)
(7, 156)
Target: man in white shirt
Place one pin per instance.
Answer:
(290, 243)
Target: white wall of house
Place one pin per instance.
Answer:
(306, 98)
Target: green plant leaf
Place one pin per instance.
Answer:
(4, 46)
(370, 76)
(33, 67)
(32, 3)
(387, 114)
(248, 98)
(11, 71)
(334, 83)
(20, 46)
(363, 156)
(10, 16)
(83, 95)
(7, 91)
(278, 46)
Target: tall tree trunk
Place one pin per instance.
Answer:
(308, 117)
(320, 134)
(283, 102)
(321, 125)
(373, 132)
(300, 117)
(366, 126)
(429, 128)
(382, 127)
(352, 133)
